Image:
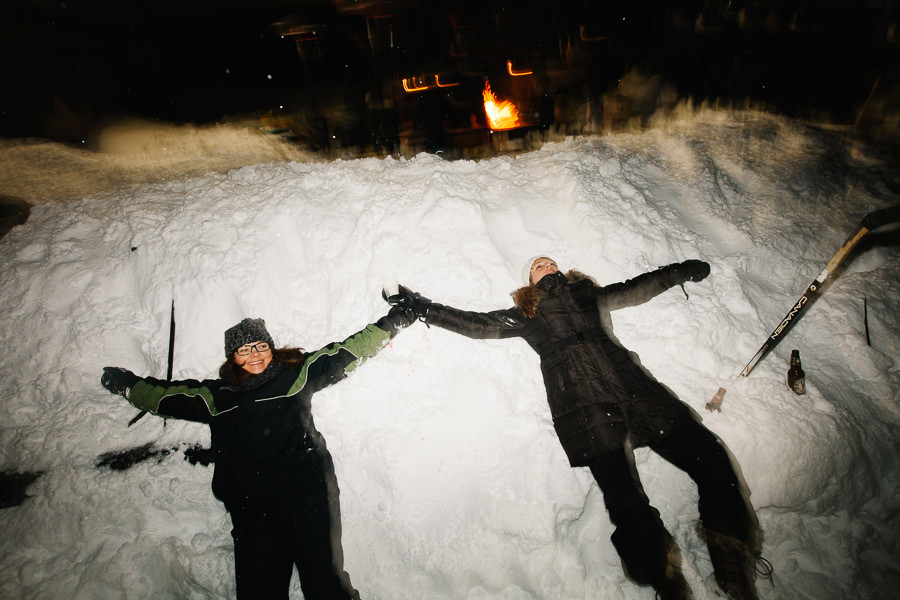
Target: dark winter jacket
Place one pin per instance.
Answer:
(599, 394)
(267, 448)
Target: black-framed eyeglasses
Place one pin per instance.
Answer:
(247, 349)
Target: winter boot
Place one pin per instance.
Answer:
(672, 586)
(734, 565)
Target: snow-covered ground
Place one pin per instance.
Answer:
(453, 483)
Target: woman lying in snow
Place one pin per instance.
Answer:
(604, 404)
(273, 471)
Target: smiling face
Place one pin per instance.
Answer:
(542, 266)
(255, 362)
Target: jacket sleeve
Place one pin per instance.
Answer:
(189, 400)
(335, 361)
(490, 325)
(640, 289)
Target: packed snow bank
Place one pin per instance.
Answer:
(453, 483)
(134, 151)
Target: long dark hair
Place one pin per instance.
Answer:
(231, 372)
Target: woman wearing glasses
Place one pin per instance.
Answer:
(273, 471)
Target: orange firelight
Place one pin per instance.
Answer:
(501, 114)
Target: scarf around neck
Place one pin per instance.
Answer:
(256, 381)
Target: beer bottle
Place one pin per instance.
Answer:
(796, 379)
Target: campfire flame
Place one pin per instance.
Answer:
(501, 114)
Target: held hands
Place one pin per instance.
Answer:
(406, 307)
(396, 319)
(118, 380)
(412, 303)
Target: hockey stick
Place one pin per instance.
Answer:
(871, 221)
(120, 460)
(171, 359)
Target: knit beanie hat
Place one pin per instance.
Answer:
(248, 330)
(526, 272)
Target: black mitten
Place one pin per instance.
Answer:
(408, 300)
(118, 380)
(396, 319)
(691, 270)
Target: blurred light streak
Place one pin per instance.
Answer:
(437, 81)
(509, 69)
(416, 87)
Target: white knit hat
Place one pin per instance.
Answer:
(526, 272)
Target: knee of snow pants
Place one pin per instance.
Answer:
(640, 538)
(723, 500)
(301, 531)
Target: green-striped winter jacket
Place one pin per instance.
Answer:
(265, 442)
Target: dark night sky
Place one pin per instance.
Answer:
(184, 60)
(66, 63)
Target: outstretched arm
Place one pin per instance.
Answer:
(337, 360)
(479, 325)
(644, 287)
(490, 325)
(190, 400)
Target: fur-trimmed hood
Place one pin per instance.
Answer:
(529, 297)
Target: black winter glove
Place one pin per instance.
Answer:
(408, 300)
(691, 270)
(118, 380)
(396, 319)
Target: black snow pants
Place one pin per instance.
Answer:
(306, 532)
(640, 537)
